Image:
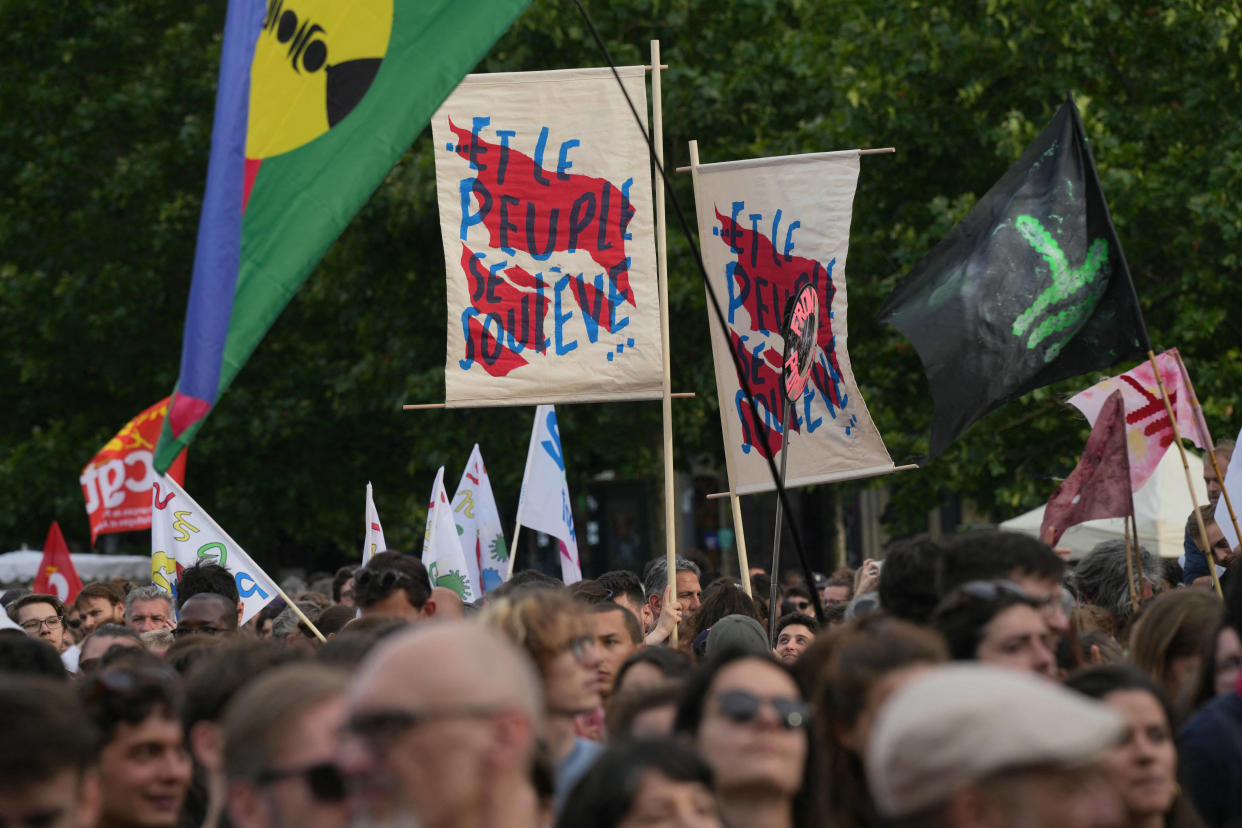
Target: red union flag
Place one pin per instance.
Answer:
(544, 186)
(117, 481)
(1148, 430)
(57, 574)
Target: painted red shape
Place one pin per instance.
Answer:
(251, 170)
(521, 313)
(483, 344)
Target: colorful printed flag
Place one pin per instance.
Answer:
(117, 481)
(373, 539)
(442, 552)
(182, 534)
(766, 227)
(1148, 430)
(544, 184)
(57, 574)
(478, 525)
(544, 504)
(1030, 288)
(316, 103)
(1099, 486)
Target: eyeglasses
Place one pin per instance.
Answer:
(323, 780)
(381, 729)
(33, 625)
(743, 707)
(578, 646)
(182, 632)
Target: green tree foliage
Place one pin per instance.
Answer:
(107, 115)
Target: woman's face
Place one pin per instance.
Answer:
(661, 802)
(744, 734)
(1228, 660)
(1018, 637)
(1144, 767)
(571, 677)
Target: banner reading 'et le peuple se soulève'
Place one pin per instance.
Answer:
(545, 199)
(767, 226)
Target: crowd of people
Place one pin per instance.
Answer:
(975, 681)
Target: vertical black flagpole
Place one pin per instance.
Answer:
(774, 600)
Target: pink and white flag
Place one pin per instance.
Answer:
(545, 504)
(1148, 430)
(373, 539)
(442, 555)
(478, 526)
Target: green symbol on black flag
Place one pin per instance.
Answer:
(1030, 288)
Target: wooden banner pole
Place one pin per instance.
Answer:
(677, 395)
(1177, 441)
(291, 604)
(1130, 548)
(670, 504)
(739, 537)
(517, 531)
(876, 151)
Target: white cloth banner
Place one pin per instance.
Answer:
(373, 538)
(478, 525)
(1233, 485)
(766, 227)
(544, 504)
(546, 214)
(442, 555)
(182, 534)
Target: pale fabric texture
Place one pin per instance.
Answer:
(373, 539)
(545, 504)
(442, 553)
(478, 525)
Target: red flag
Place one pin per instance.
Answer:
(1099, 486)
(117, 481)
(56, 573)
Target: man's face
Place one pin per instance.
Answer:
(834, 595)
(1018, 638)
(155, 614)
(612, 641)
(1210, 479)
(65, 799)
(1047, 592)
(688, 591)
(791, 641)
(637, 610)
(40, 621)
(290, 799)
(95, 646)
(347, 593)
(96, 611)
(144, 773)
(206, 617)
(1218, 543)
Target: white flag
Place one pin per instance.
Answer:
(182, 534)
(478, 525)
(442, 553)
(373, 539)
(544, 504)
(1232, 484)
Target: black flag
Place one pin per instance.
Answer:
(1030, 288)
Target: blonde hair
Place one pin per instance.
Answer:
(540, 621)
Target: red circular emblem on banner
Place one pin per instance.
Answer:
(801, 332)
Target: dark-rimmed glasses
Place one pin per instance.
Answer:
(51, 623)
(323, 780)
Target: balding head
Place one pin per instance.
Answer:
(445, 716)
(448, 604)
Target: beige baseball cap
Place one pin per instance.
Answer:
(959, 723)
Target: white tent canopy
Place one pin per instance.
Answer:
(1161, 508)
(23, 565)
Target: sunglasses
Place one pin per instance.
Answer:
(323, 780)
(742, 707)
(381, 729)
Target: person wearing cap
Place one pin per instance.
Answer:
(737, 632)
(964, 745)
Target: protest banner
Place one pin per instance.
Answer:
(442, 552)
(57, 574)
(545, 202)
(1031, 287)
(544, 504)
(182, 534)
(1149, 431)
(478, 526)
(315, 104)
(117, 481)
(766, 227)
(373, 536)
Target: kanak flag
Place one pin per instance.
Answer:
(544, 504)
(1148, 430)
(57, 575)
(442, 553)
(117, 481)
(373, 539)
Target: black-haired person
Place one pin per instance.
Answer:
(794, 633)
(207, 576)
(396, 585)
(1143, 769)
(618, 635)
(745, 715)
(651, 665)
(47, 776)
(992, 556)
(207, 613)
(144, 768)
(627, 591)
(103, 639)
(649, 783)
(997, 622)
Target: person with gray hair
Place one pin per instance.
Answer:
(655, 584)
(1101, 581)
(149, 608)
(287, 628)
